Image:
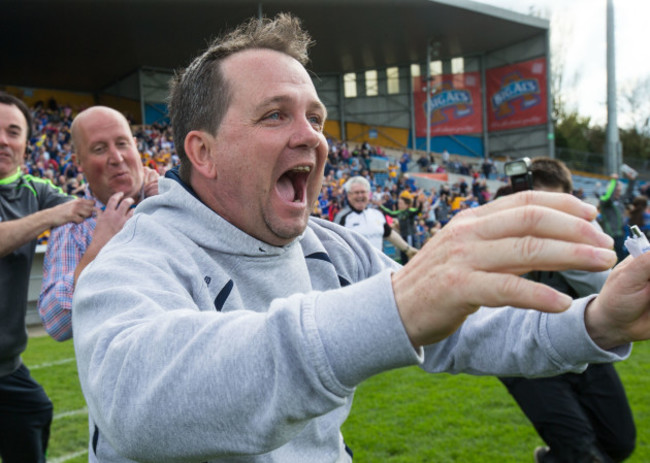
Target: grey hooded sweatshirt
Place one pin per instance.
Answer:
(197, 342)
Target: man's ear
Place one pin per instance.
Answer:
(76, 160)
(199, 148)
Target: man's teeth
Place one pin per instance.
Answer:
(301, 169)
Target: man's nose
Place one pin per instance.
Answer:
(115, 155)
(305, 135)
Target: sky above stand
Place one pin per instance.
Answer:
(579, 41)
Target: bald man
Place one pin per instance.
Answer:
(107, 155)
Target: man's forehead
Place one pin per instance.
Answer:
(100, 124)
(11, 115)
(250, 68)
(253, 56)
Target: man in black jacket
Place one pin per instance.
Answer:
(585, 417)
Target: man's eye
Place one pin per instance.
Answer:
(273, 116)
(316, 121)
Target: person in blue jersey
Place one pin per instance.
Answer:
(28, 206)
(224, 324)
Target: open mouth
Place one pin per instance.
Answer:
(292, 185)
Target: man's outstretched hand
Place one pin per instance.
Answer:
(478, 257)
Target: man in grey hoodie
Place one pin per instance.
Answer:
(224, 324)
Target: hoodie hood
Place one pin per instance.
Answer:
(203, 226)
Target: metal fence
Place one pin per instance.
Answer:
(594, 163)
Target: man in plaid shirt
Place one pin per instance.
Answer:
(107, 155)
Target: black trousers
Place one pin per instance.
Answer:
(25, 418)
(581, 417)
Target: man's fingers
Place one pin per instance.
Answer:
(559, 201)
(114, 200)
(497, 290)
(435, 317)
(125, 204)
(536, 221)
(86, 207)
(117, 203)
(151, 188)
(521, 255)
(518, 255)
(152, 176)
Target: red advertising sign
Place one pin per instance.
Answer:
(455, 104)
(517, 95)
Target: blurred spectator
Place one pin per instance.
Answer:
(366, 220)
(404, 162)
(637, 214)
(612, 212)
(445, 158)
(408, 208)
(487, 167)
(424, 162)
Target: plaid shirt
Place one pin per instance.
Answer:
(66, 245)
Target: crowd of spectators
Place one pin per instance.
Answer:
(51, 156)
(435, 207)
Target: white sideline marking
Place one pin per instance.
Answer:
(51, 364)
(68, 457)
(81, 411)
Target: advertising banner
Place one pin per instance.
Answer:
(517, 95)
(455, 104)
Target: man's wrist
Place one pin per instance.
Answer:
(602, 337)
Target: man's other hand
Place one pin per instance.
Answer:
(621, 312)
(75, 211)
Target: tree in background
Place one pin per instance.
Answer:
(634, 101)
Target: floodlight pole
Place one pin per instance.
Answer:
(614, 155)
(428, 97)
(414, 140)
(550, 129)
(484, 109)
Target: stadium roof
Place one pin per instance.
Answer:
(87, 45)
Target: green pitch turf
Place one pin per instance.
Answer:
(400, 416)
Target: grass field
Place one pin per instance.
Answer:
(400, 416)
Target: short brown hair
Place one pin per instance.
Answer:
(551, 173)
(200, 95)
(637, 209)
